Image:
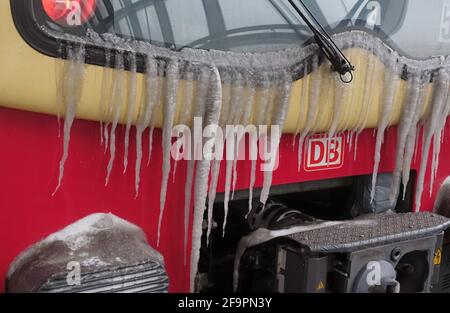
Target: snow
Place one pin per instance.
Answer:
(76, 236)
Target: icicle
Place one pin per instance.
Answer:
(72, 84)
(303, 93)
(187, 202)
(262, 105)
(251, 92)
(200, 107)
(237, 96)
(226, 99)
(117, 99)
(172, 80)
(106, 85)
(435, 159)
(131, 107)
(252, 184)
(228, 173)
(278, 119)
(390, 86)
(440, 91)
(371, 77)
(438, 136)
(59, 70)
(235, 111)
(355, 151)
(340, 96)
(156, 109)
(316, 74)
(227, 112)
(106, 137)
(411, 141)
(248, 106)
(212, 196)
(406, 123)
(201, 177)
(235, 172)
(416, 147)
(187, 108)
(151, 86)
(260, 109)
(150, 143)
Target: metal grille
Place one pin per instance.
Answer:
(146, 277)
(446, 282)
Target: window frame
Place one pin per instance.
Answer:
(46, 44)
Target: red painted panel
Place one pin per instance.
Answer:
(29, 160)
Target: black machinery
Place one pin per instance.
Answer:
(389, 252)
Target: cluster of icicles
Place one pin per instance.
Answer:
(203, 77)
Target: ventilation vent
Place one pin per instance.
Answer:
(143, 278)
(446, 282)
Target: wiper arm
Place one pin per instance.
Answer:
(339, 63)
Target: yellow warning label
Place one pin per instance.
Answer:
(437, 257)
(320, 286)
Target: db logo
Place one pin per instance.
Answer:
(324, 153)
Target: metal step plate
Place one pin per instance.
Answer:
(372, 230)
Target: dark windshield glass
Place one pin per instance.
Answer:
(416, 28)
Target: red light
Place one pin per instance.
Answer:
(69, 12)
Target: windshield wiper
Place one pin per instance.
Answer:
(339, 63)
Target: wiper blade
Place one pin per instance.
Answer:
(339, 63)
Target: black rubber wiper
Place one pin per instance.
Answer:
(339, 63)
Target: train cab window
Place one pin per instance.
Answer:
(236, 25)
